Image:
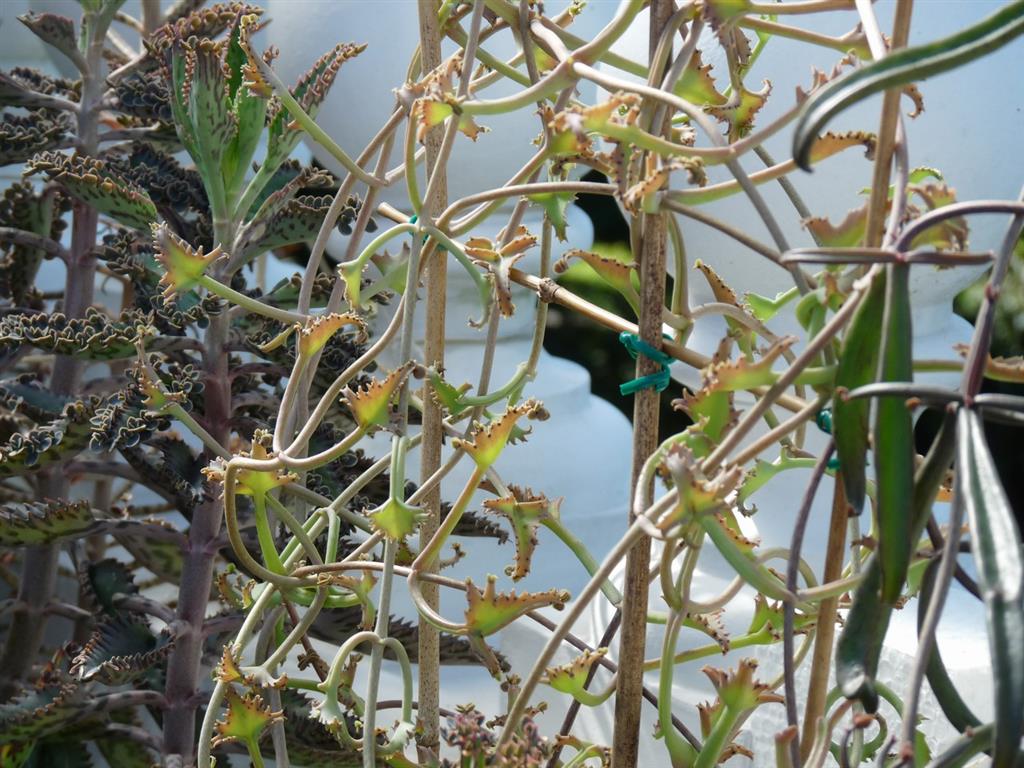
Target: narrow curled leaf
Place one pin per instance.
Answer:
(857, 366)
(525, 511)
(997, 554)
(318, 331)
(860, 643)
(894, 438)
(902, 67)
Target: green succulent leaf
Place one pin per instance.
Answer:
(902, 67)
(858, 365)
(371, 404)
(490, 610)
(310, 91)
(946, 694)
(572, 678)
(396, 519)
(91, 181)
(247, 717)
(54, 30)
(997, 554)
(102, 581)
(93, 337)
(860, 643)
(489, 441)
(41, 711)
(23, 136)
(120, 649)
(894, 438)
(248, 107)
(555, 205)
(42, 445)
(36, 522)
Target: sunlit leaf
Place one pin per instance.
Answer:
(905, 66)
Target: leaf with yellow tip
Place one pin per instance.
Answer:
(446, 395)
(228, 671)
(183, 265)
(251, 482)
(318, 331)
(525, 511)
(396, 519)
(847, 234)
(831, 143)
(740, 109)
(499, 261)
(696, 84)
(429, 112)
(698, 494)
(554, 205)
(246, 719)
(616, 273)
(351, 274)
(490, 610)
(571, 678)
(371, 403)
(734, 375)
(719, 289)
(489, 441)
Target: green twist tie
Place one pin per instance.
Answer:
(824, 420)
(412, 220)
(636, 347)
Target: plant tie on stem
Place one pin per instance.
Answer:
(658, 380)
(824, 421)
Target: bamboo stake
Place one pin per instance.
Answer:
(436, 278)
(629, 683)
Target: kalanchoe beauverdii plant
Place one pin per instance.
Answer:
(192, 473)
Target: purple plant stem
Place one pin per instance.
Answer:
(185, 661)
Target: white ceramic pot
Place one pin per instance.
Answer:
(362, 97)
(936, 139)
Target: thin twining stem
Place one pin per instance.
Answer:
(985, 322)
(320, 244)
(926, 635)
(810, 352)
(739, 236)
(789, 609)
(575, 610)
(885, 256)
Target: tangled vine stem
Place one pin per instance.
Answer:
(279, 388)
